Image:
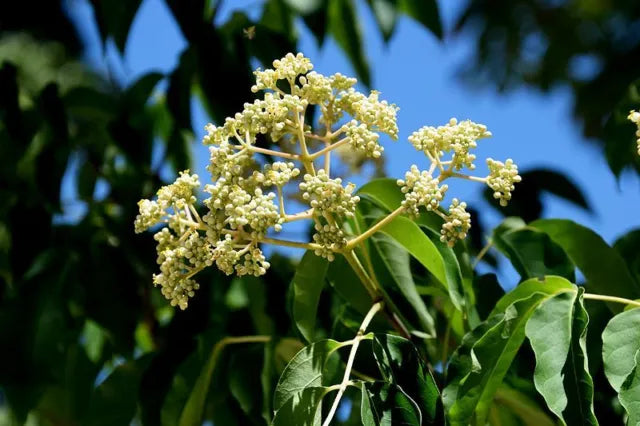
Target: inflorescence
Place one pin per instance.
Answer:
(634, 116)
(246, 201)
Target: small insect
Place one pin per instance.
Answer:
(250, 32)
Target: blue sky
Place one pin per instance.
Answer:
(417, 72)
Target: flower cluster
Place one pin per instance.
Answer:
(457, 139)
(241, 208)
(363, 140)
(501, 179)
(634, 116)
(245, 201)
(449, 149)
(457, 224)
(276, 174)
(327, 196)
(421, 190)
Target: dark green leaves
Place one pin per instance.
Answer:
(107, 406)
(393, 271)
(533, 254)
(602, 266)
(308, 283)
(115, 18)
(425, 12)
(345, 28)
(400, 363)
(527, 201)
(557, 332)
(387, 404)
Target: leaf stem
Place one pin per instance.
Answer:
(482, 252)
(357, 267)
(613, 299)
(352, 356)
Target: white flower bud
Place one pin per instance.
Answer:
(501, 179)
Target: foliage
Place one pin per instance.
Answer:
(88, 341)
(377, 242)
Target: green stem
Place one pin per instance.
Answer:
(613, 299)
(357, 267)
(352, 356)
(481, 254)
(328, 148)
(375, 228)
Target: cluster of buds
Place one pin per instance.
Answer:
(634, 116)
(246, 197)
(246, 202)
(449, 149)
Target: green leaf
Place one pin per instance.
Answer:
(194, 408)
(342, 279)
(580, 389)
(345, 28)
(557, 332)
(478, 367)
(115, 18)
(386, 14)
(304, 370)
(620, 343)
(393, 271)
(630, 393)
(87, 177)
(548, 285)
(383, 192)
(522, 406)
(179, 89)
(627, 246)
(425, 12)
(387, 404)
(602, 266)
(138, 93)
(400, 364)
(308, 283)
(533, 254)
(488, 292)
(304, 7)
(114, 401)
(303, 408)
(316, 21)
(410, 236)
(244, 380)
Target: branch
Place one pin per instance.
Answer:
(375, 228)
(352, 356)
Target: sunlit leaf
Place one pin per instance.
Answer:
(478, 367)
(305, 370)
(557, 332)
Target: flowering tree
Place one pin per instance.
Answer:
(388, 249)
